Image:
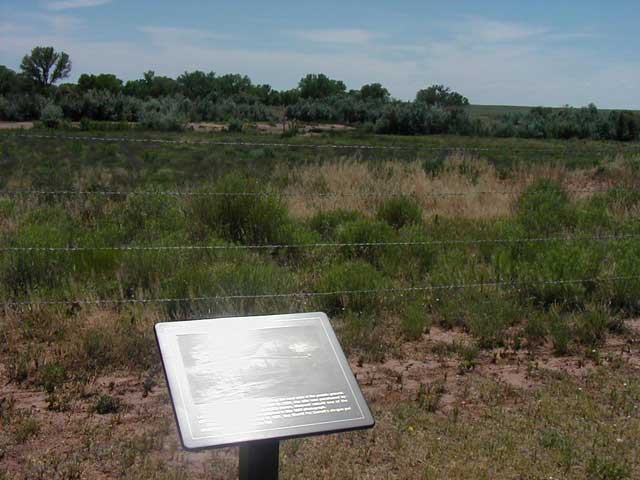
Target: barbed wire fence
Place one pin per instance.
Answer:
(12, 303)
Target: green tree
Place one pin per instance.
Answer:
(8, 80)
(104, 81)
(196, 84)
(151, 86)
(320, 86)
(374, 91)
(441, 96)
(44, 66)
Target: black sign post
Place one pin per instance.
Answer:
(260, 460)
(254, 381)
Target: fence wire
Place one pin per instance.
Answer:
(604, 238)
(320, 146)
(389, 291)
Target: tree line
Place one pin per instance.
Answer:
(161, 102)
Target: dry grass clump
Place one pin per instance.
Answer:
(352, 184)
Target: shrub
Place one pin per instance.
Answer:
(544, 207)
(25, 429)
(591, 327)
(561, 272)
(107, 404)
(399, 212)
(366, 232)
(52, 376)
(560, 332)
(487, 317)
(163, 114)
(235, 126)
(256, 219)
(354, 275)
(535, 329)
(51, 115)
(414, 319)
(326, 223)
(625, 293)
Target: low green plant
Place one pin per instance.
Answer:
(543, 208)
(367, 232)
(52, 376)
(356, 275)
(414, 318)
(25, 428)
(602, 467)
(559, 331)
(400, 212)
(107, 404)
(249, 219)
(592, 326)
(326, 223)
(52, 116)
(235, 125)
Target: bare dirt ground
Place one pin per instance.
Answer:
(71, 440)
(13, 125)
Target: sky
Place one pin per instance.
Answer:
(499, 52)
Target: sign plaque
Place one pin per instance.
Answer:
(253, 381)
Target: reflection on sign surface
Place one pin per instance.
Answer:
(247, 378)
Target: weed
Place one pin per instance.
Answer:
(366, 232)
(354, 275)
(414, 318)
(604, 468)
(544, 207)
(399, 212)
(107, 404)
(591, 326)
(326, 223)
(25, 428)
(560, 332)
(52, 376)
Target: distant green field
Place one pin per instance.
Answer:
(491, 112)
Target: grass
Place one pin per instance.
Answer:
(498, 432)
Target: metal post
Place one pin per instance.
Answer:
(260, 460)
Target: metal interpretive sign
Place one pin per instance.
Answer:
(253, 379)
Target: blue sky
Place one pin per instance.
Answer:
(495, 52)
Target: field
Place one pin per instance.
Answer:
(492, 112)
(487, 292)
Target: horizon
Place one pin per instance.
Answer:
(496, 54)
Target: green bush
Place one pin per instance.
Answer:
(349, 276)
(51, 115)
(544, 208)
(107, 404)
(591, 326)
(576, 264)
(164, 115)
(258, 219)
(51, 376)
(246, 276)
(235, 125)
(365, 232)
(486, 315)
(399, 212)
(414, 319)
(624, 293)
(326, 223)
(560, 331)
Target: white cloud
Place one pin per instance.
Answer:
(165, 35)
(486, 30)
(68, 4)
(352, 36)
